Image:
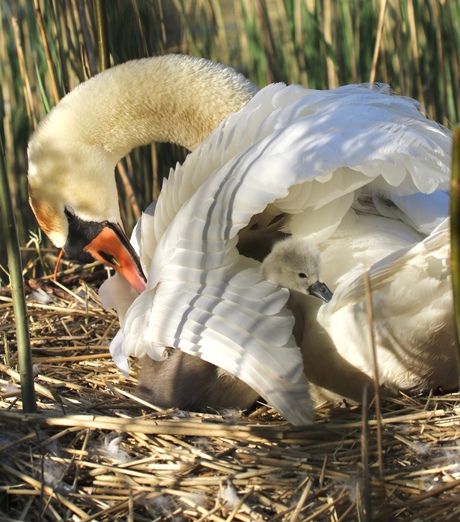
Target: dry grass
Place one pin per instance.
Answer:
(95, 452)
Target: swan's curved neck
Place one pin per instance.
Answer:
(174, 98)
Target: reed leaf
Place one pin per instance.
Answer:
(17, 290)
(455, 231)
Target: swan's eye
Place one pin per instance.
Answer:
(302, 275)
(108, 258)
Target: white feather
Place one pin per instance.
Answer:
(412, 317)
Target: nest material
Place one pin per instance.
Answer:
(95, 452)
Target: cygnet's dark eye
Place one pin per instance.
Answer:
(302, 275)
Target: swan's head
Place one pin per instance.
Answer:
(73, 194)
(295, 264)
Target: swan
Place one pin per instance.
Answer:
(295, 264)
(358, 172)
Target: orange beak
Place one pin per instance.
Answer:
(112, 247)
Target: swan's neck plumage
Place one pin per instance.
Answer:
(174, 98)
(73, 152)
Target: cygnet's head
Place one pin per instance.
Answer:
(295, 264)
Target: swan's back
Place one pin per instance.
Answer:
(412, 312)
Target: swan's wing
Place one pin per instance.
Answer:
(230, 138)
(348, 138)
(207, 300)
(412, 322)
(249, 334)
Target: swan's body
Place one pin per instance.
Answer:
(340, 165)
(412, 317)
(358, 206)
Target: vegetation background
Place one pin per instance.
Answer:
(47, 47)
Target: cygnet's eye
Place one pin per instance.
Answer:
(302, 275)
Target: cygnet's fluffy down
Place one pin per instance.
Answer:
(295, 264)
(189, 383)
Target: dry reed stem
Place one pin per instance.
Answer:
(378, 40)
(129, 191)
(46, 47)
(370, 316)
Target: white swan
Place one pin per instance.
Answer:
(343, 165)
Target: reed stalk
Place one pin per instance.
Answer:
(17, 290)
(46, 47)
(455, 232)
(101, 31)
(378, 40)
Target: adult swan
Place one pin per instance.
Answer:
(360, 173)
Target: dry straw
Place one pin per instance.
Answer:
(95, 452)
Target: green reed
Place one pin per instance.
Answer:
(47, 47)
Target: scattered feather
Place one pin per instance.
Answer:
(229, 496)
(112, 449)
(41, 296)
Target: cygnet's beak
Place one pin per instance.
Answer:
(320, 290)
(112, 247)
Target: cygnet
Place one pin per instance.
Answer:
(295, 264)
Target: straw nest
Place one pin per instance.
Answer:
(95, 452)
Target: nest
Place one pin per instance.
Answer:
(93, 451)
